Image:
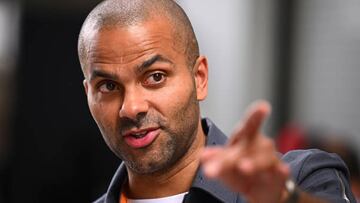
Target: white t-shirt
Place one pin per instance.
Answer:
(171, 199)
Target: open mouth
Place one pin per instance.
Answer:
(141, 138)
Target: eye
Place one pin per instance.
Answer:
(108, 86)
(155, 78)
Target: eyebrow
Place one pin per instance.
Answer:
(146, 64)
(97, 73)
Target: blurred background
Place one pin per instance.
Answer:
(301, 55)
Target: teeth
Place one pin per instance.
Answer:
(139, 135)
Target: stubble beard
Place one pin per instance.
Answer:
(178, 140)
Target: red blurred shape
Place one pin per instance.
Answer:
(291, 137)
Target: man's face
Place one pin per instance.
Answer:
(142, 94)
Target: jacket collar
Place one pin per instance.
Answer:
(213, 187)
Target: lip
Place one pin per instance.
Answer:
(150, 136)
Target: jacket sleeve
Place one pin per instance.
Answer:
(321, 174)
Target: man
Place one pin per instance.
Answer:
(144, 79)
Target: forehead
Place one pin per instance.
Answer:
(118, 44)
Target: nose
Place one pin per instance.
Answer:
(134, 104)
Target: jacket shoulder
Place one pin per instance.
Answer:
(303, 162)
(320, 173)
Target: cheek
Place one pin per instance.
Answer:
(175, 97)
(106, 118)
(105, 113)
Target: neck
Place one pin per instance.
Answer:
(175, 180)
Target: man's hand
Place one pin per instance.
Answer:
(249, 163)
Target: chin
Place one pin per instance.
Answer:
(152, 163)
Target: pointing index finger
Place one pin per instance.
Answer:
(249, 127)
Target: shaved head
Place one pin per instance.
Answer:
(124, 13)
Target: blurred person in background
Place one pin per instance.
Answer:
(144, 79)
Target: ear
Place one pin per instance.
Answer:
(85, 86)
(201, 77)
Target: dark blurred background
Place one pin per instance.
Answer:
(54, 152)
(301, 55)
